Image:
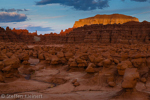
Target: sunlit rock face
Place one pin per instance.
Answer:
(105, 19)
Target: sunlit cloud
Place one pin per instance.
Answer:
(12, 17)
(141, 13)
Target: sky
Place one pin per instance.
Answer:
(48, 16)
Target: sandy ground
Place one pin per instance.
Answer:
(41, 87)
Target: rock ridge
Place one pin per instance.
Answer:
(105, 19)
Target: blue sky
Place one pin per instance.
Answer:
(47, 16)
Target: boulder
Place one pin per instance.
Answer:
(75, 82)
(25, 57)
(68, 55)
(98, 59)
(61, 54)
(9, 54)
(112, 84)
(92, 58)
(35, 54)
(148, 62)
(2, 57)
(1, 65)
(55, 60)
(124, 57)
(41, 56)
(107, 62)
(116, 61)
(137, 62)
(130, 78)
(73, 64)
(25, 62)
(128, 63)
(84, 56)
(1, 78)
(14, 62)
(90, 68)
(122, 66)
(81, 63)
(143, 80)
(63, 60)
(7, 69)
(100, 64)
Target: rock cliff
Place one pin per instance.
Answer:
(105, 19)
(16, 35)
(127, 33)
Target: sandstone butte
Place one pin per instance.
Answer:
(105, 19)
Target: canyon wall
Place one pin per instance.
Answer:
(16, 35)
(23, 35)
(127, 33)
(105, 19)
(130, 32)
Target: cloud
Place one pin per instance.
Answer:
(140, 0)
(141, 13)
(13, 10)
(38, 28)
(78, 4)
(53, 17)
(12, 17)
(82, 4)
(125, 10)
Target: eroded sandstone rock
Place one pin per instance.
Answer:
(55, 60)
(90, 68)
(130, 78)
(105, 19)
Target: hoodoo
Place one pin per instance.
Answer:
(105, 19)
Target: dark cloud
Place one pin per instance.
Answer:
(137, 0)
(78, 4)
(13, 10)
(38, 28)
(12, 17)
(82, 4)
(125, 10)
(140, 0)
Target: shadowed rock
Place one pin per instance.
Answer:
(37, 39)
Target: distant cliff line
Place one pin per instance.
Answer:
(105, 19)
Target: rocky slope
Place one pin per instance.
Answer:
(75, 72)
(105, 19)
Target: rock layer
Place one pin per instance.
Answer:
(127, 33)
(105, 19)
